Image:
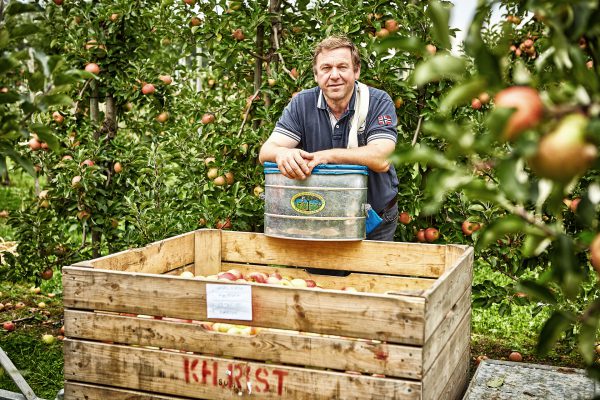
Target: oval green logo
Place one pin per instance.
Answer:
(307, 203)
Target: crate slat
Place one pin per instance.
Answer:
(448, 360)
(396, 319)
(156, 258)
(282, 347)
(207, 245)
(86, 391)
(426, 260)
(445, 293)
(195, 376)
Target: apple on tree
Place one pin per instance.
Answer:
(528, 109)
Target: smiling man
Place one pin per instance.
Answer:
(315, 128)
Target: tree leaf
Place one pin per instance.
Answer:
(439, 67)
(536, 291)
(461, 94)
(499, 228)
(24, 163)
(554, 327)
(410, 44)
(439, 14)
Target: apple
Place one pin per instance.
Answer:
(58, 2)
(528, 113)
(195, 21)
(431, 49)
(118, 167)
(212, 173)
(87, 162)
(4, 214)
(238, 34)
(35, 289)
(162, 117)
(166, 79)
(273, 280)
(421, 236)
(114, 17)
(67, 157)
(41, 304)
(236, 273)
(383, 32)
(44, 146)
(148, 88)
(515, 356)
(258, 191)
(207, 118)
(83, 215)
(19, 305)
(187, 274)
(271, 82)
(484, 98)
(34, 144)
(298, 282)
(476, 104)
(47, 274)
(564, 153)
(229, 178)
(480, 359)
(404, 218)
(224, 224)
(589, 64)
(209, 160)
(398, 102)
(310, 283)
(469, 227)
(57, 117)
(43, 195)
(227, 276)
(294, 73)
(595, 253)
(189, 2)
(92, 68)
(48, 339)
(431, 234)
(258, 277)
(201, 222)
(391, 25)
(573, 204)
(9, 326)
(211, 82)
(276, 275)
(76, 181)
(294, 94)
(219, 181)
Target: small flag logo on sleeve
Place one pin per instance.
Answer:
(384, 120)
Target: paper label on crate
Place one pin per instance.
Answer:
(229, 301)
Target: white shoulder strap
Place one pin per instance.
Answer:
(360, 114)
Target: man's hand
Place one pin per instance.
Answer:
(293, 163)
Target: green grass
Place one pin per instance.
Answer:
(39, 363)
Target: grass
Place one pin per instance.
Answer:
(39, 363)
(11, 198)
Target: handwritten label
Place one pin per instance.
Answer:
(229, 301)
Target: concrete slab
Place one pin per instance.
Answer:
(505, 380)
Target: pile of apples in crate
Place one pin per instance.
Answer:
(233, 275)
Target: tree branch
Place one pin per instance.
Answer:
(247, 112)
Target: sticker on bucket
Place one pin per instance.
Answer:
(307, 203)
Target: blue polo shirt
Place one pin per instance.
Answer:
(307, 120)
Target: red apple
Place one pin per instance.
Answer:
(166, 79)
(148, 88)
(92, 68)
(76, 181)
(469, 227)
(58, 2)
(114, 17)
(227, 276)
(47, 274)
(224, 224)
(310, 283)
(391, 25)
(57, 117)
(595, 253)
(421, 236)
(294, 73)
(259, 277)
(87, 163)
(34, 144)
(515, 356)
(398, 102)
(431, 234)
(162, 117)
(229, 178)
(431, 49)
(237, 273)
(238, 34)
(9, 326)
(219, 181)
(118, 167)
(195, 21)
(476, 104)
(207, 118)
(528, 113)
(404, 218)
(484, 98)
(382, 33)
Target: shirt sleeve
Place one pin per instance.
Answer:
(289, 123)
(382, 119)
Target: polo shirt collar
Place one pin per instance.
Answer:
(322, 103)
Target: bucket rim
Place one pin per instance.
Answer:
(271, 168)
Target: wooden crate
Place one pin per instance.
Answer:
(404, 335)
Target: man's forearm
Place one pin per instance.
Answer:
(373, 158)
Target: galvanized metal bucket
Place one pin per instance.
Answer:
(328, 205)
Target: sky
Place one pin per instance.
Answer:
(460, 17)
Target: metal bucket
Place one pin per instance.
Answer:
(328, 205)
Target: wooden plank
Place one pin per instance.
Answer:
(448, 360)
(457, 384)
(362, 282)
(155, 258)
(181, 374)
(86, 391)
(276, 346)
(16, 376)
(395, 319)
(445, 293)
(438, 340)
(391, 258)
(208, 251)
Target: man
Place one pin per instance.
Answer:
(315, 129)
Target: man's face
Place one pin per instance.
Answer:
(335, 74)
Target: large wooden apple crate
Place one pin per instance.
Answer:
(404, 335)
